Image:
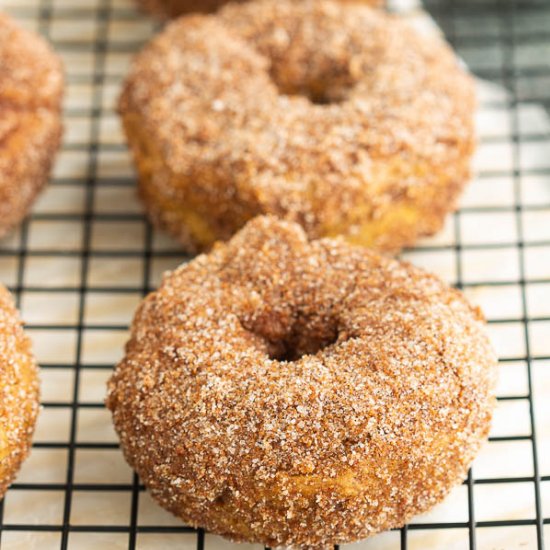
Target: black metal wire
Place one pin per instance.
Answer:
(508, 12)
(451, 37)
(517, 81)
(100, 52)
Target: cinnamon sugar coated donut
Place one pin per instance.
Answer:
(336, 116)
(31, 83)
(18, 392)
(302, 393)
(175, 8)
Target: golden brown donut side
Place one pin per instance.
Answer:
(384, 400)
(31, 84)
(175, 8)
(381, 163)
(19, 403)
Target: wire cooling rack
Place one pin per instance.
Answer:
(81, 262)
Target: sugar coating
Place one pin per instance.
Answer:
(31, 83)
(302, 393)
(333, 115)
(18, 392)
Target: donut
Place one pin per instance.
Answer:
(301, 393)
(174, 8)
(335, 116)
(18, 392)
(31, 84)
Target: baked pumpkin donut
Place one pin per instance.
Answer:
(18, 392)
(336, 116)
(175, 8)
(31, 83)
(291, 392)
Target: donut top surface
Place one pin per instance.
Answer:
(281, 92)
(278, 359)
(18, 391)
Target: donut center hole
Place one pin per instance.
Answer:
(317, 95)
(302, 340)
(324, 82)
(317, 92)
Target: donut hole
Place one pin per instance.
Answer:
(317, 93)
(317, 75)
(321, 89)
(305, 336)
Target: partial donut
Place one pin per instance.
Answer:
(18, 392)
(332, 115)
(31, 84)
(175, 8)
(302, 393)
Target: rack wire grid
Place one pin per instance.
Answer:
(81, 262)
